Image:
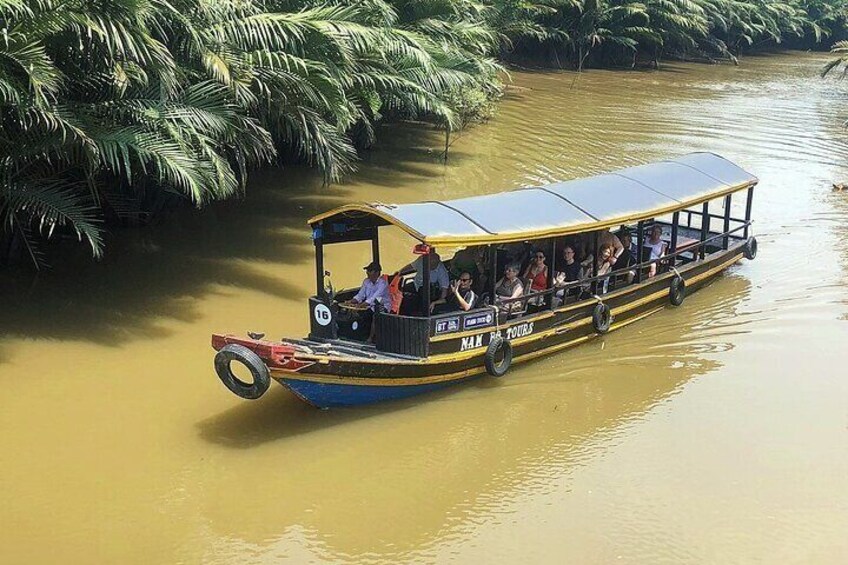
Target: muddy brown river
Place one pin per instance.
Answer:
(714, 432)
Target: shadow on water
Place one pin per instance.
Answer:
(280, 415)
(410, 152)
(161, 272)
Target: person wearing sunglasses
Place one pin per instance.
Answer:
(461, 295)
(537, 272)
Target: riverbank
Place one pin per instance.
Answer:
(103, 128)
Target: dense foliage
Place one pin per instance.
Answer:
(109, 106)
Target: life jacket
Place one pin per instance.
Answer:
(395, 293)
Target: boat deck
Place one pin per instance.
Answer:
(346, 348)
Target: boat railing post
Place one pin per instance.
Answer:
(725, 242)
(748, 205)
(493, 267)
(425, 283)
(375, 245)
(705, 229)
(595, 240)
(640, 241)
(672, 246)
(552, 270)
(318, 240)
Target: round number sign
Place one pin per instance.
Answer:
(322, 314)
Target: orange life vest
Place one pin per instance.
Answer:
(395, 292)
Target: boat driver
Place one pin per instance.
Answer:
(356, 321)
(374, 288)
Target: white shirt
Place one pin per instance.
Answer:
(369, 292)
(657, 249)
(438, 275)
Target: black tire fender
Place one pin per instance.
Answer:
(258, 370)
(496, 345)
(677, 290)
(601, 318)
(750, 249)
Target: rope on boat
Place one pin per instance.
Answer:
(497, 322)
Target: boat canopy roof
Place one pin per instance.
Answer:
(562, 208)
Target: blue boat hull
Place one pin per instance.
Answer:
(324, 395)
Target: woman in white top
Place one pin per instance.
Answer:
(657, 246)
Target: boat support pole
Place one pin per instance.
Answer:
(318, 239)
(375, 245)
(725, 242)
(705, 229)
(552, 270)
(595, 262)
(494, 275)
(675, 222)
(425, 283)
(748, 211)
(640, 241)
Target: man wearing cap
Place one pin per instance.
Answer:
(374, 288)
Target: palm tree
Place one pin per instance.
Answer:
(840, 49)
(106, 106)
(608, 22)
(94, 112)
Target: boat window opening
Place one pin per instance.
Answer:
(728, 201)
(681, 245)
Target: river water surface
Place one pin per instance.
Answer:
(714, 432)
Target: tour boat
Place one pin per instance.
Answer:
(411, 354)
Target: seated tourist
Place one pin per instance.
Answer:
(572, 271)
(537, 274)
(657, 247)
(439, 283)
(461, 296)
(510, 287)
(606, 237)
(627, 257)
(473, 261)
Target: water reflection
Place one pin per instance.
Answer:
(165, 271)
(388, 482)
